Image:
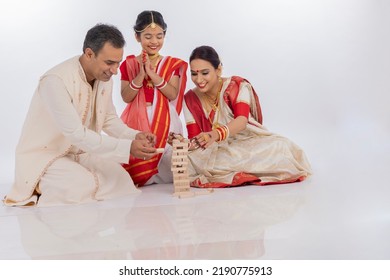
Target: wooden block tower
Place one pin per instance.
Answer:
(181, 182)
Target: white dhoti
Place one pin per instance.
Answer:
(83, 178)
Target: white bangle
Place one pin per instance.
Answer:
(133, 86)
(130, 86)
(227, 132)
(160, 84)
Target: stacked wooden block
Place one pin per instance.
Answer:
(179, 168)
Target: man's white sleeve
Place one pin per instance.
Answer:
(59, 104)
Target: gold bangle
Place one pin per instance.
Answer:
(219, 135)
(227, 132)
(223, 132)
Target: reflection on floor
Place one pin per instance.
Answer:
(227, 224)
(240, 223)
(341, 212)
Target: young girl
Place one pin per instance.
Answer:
(153, 86)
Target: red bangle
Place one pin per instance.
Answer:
(134, 86)
(162, 84)
(223, 132)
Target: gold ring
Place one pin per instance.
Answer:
(206, 137)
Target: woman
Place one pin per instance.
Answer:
(223, 116)
(153, 86)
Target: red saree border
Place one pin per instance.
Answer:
(241, 179)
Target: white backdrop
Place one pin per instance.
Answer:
(318, 65)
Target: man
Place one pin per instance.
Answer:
(62, 156)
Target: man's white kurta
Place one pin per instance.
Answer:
(65, 121)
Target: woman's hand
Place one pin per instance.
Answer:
(205, 139)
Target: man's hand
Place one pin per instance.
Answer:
(172, 136)
(148, 136)
(143, 146)
(142, 149)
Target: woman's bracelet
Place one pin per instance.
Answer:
(223, 132)
(227, 132)
(133, 86)
(161, 85)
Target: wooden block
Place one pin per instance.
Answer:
(179, 166)
(179, 157)
(178, 169)
(160, 150)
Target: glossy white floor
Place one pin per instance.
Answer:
(341, 212)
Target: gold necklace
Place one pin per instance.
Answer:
(154, 56)
(214, 104)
